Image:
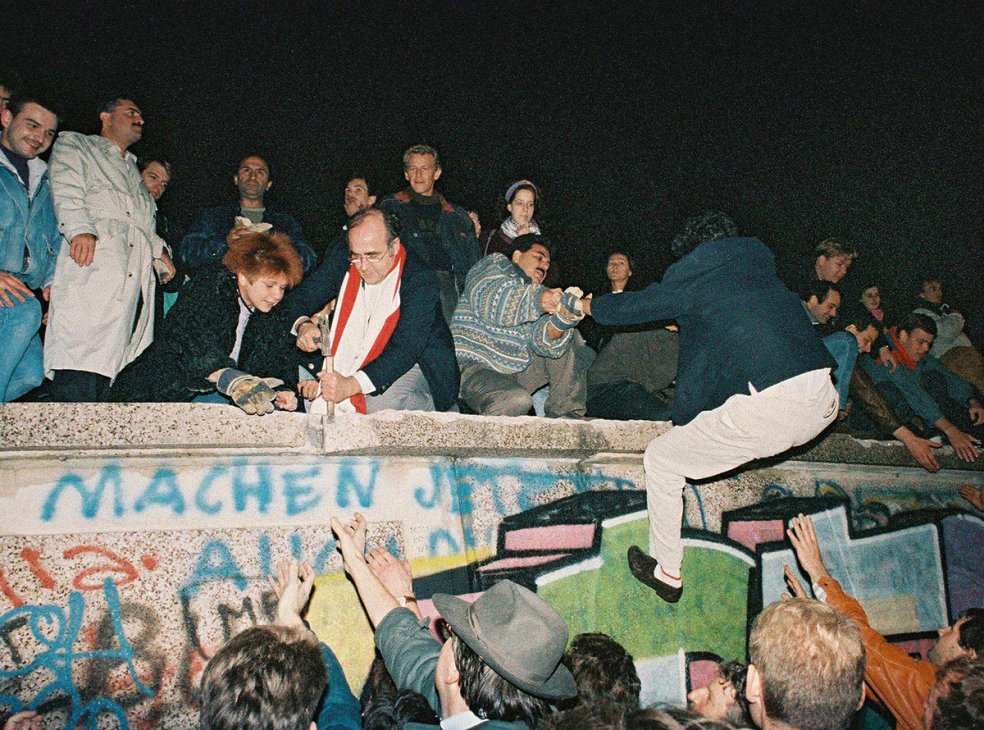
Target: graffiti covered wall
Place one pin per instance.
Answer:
(122, 573)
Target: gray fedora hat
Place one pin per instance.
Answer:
(516, 633)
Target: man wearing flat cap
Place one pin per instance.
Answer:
(499, 668)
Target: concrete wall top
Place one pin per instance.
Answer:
(78, 429)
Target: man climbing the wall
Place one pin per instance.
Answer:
(753, 379)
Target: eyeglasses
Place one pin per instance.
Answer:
(367, 258)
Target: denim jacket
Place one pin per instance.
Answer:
(27, 221)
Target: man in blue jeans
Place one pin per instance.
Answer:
(29, 241)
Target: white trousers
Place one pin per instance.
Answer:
(743, 428)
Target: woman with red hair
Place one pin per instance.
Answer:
(226, 335)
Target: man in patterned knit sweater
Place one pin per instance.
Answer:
(512, 336)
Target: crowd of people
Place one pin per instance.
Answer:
(411, 307)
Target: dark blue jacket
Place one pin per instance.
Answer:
(457, 233)
(205, 242)
(738, 323)
(421, 335)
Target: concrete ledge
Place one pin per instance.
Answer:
(67, 430)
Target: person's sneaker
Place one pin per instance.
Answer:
(643, 567)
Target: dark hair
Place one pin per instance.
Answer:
(390, 220)
(10, 80)
(361, 175)
(710, 226)
(265, 677)
(819, 289)
(257, 155)
(491, 696)
(604, 671)
(915, 321)
(17, 103)
(594, 716)
(956, 701)
(525, 242)
(972, 631)
(834, 246)
(379, 682)
(109, 105)
(144, 162)
(255, 254)
(666, 717)
(735, 674)
(393, 711)
(624, 253)
(858, 316)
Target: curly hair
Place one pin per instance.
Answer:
(255, 254)
(603, 670)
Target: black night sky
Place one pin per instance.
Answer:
(800, 119)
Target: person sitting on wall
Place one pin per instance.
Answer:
(604, 671)
(499, 668)
(896, 680)
(951, 346)
(724, 696)
(921, 386)
(512, 336)
(278, 675)
(205, 242)
(391, 347)
(829, 262)
(225, 339)
(522, 199)
(821, 300)
(857, 337)
(806, 671)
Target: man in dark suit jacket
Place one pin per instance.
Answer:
(392, 348)
(753, 379)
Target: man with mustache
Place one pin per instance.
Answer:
(513, 336)
(102, 297)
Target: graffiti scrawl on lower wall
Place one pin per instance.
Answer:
(125, 578)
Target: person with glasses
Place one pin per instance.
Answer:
(389, 344)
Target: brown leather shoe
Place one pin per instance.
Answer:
(643, 568)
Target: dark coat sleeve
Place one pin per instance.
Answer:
(288, 224)
(419, 308)
(205, 241)
(319, 287)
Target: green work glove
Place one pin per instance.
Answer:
(253, 394)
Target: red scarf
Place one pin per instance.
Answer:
(901, 356)
(350, 291)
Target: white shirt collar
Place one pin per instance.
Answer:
(461, 721)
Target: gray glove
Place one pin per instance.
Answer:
(253, 394)
(569, 314)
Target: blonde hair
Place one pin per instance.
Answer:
(810, 657)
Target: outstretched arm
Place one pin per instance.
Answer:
(351, 538)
